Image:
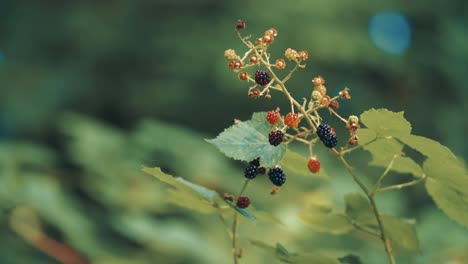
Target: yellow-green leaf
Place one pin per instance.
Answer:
(451, 201)
(284, 255)
(401, 233)
(427, 146)
(385, 123)
(326, 221)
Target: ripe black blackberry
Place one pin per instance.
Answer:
(331, 141)
(275, 137)
(243, 202)
(277, 176)
(262, 77)
(255, 162)
(327, 135)
(322, 130)
(251, 171)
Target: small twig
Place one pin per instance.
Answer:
(349, 150)
(379, 181)
(338, 115)
(403, 185)
(234, 225)
(383, 237)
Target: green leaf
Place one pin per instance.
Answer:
(295, 163)
(383, 150)
(248, 140)
(243, 211)
(365, 136)
(350, 259)
(401, 233)
(284, 255)
(357, 206)
(427, 147)
(187, 194)
(451, 201)
(385, 123)
(323, 219)
(448, 172)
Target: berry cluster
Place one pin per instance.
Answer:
(251, 170)
(275, 137)
(327, 135)
(277, 176)
(262, 78)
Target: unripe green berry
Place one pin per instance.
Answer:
(353, 119)
(316, 96)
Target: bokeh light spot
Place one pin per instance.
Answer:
(390, 31)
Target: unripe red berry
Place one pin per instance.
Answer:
(254, 93)
(272, 31)
(273, 117)
(313, 164)
(334, 104)
(345, 93)
(243, 76)
(240, 24)
(235, 64)
(280, 64)
(303, 54)
(291, 120)
(317, 81)
(325, 101)
(253, 59)
(268, 39)
(243, 202)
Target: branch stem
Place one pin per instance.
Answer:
(383, 237)
(379, 181)
(234, 226)
(404, 185)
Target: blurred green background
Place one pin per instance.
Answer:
(93, 90)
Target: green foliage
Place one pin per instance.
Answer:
(385, 123)
(453, 202)
(401, 233)
(323, 219)
(447, 176)
(248, 140)
(284, 255)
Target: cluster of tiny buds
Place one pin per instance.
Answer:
(294, 55)
(353, 126)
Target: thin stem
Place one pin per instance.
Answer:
(338, 115)
(403, 185)
(387, 245)
(360, 228)
(379, 181)
(290, 73)
(234, 239)
(355, 178)
(345, 151)
(234, 225)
